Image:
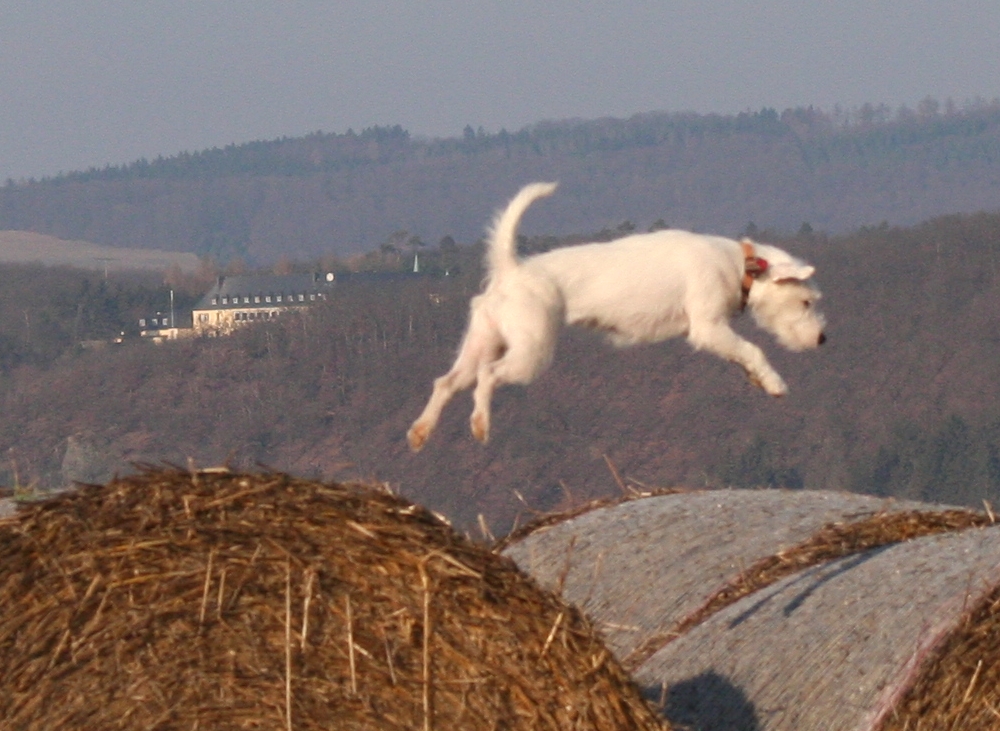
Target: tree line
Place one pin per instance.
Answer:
(876, 129)
(349, 193)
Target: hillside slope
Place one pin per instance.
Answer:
(23, 247)
(341, 194)
(901, 401)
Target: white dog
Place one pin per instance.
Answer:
(639, 289)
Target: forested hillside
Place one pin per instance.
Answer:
(341, 194)
(47, 312)
(903, 399)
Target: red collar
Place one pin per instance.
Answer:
(753, 267)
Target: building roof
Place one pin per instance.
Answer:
(221, 294)
(362, 277)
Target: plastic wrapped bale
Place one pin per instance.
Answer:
(175, 600)
(638, 567)
(884, 617)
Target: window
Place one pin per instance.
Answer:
(278, 298)
(256, 298)
(215, 300)
(302, 298)
(202, 317)
(267, 298)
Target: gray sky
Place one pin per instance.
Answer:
(91, 82)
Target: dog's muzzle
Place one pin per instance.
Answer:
(822, 339)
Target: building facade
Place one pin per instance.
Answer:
(237, 300)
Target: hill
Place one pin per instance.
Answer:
(342, 194)
(901, 401)
(24, 247)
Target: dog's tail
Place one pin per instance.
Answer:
(501, 252)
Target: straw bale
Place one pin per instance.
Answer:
(544, 520)
(832, 541)
(959, 686)
(233, 601)
(838, 644)
(876, 621)
(640, 567)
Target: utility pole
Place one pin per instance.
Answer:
(105, 260)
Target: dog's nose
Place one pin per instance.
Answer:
(822, 338)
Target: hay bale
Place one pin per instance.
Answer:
(883, 621)
(958, 686)
(639, 567)
(174, 600)
(836, 645)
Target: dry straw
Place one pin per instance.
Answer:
(175, 600)
(958, 686)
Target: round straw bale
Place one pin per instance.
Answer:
(175, 600)
(959, 685)
(639, 567)
(838, 644)
(877, 620)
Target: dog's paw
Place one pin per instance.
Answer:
(771, 384)
(480, 425)
(775, 387)
(417, 436)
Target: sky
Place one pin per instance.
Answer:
(87, 83)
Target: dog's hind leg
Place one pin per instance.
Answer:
(481, 345)
(457, 379)
(524, 359)
(486, 383)
(719, 338)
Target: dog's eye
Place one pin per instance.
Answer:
(807, 304)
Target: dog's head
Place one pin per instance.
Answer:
(783, 299)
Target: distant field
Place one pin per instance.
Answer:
(28, 247)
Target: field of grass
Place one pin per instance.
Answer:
(25, 247)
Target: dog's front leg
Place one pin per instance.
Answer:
(719, 338)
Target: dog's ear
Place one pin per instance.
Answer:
(785, 271)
